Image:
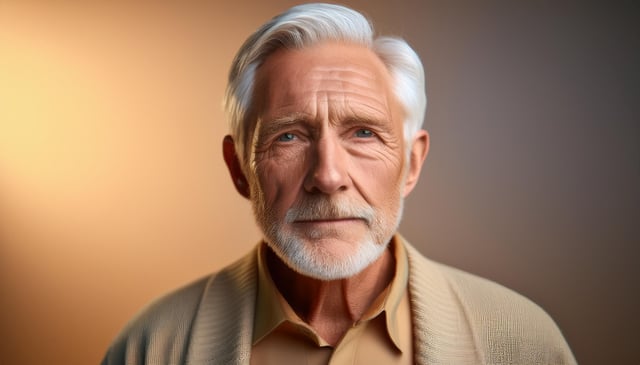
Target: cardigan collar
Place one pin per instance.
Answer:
(223, 324)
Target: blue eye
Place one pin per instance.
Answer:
(286, 137)
(364, 133)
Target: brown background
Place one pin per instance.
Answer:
(113, 190)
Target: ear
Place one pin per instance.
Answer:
(417, 155)
(234, 166)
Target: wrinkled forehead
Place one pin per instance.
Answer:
(336, 72)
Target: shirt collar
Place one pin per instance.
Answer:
(272, 309)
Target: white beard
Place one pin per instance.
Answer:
(305, 254)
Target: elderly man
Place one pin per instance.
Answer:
(326, 142)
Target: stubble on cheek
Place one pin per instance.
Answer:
(264, 196)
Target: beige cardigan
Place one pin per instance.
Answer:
(458, 318)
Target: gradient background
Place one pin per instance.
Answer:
(113, 189)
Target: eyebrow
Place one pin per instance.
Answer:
(273, 126)
(364, 120)
(278, 124)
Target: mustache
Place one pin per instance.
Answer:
(318, 207)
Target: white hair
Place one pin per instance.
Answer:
(303, 26)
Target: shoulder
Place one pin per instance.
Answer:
(506, 327)
(161, 331)
(510, 327)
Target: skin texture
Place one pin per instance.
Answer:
(327, 176)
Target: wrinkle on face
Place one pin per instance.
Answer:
(313, 106)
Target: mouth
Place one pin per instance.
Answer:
(328, 221)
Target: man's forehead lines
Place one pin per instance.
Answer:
(334, 79)
(339, 71)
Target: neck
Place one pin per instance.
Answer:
(332, 307)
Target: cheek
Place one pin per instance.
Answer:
(384, 170)
(280, 181)
(379, 181)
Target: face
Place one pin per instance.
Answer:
(327, 164)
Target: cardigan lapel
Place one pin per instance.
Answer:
(442, 333)
(224, 321)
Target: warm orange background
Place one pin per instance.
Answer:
(113, 190)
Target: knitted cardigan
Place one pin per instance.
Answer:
(458, 318)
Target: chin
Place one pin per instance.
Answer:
(321, 262)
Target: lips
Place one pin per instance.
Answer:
(326, 220)
(329, 221)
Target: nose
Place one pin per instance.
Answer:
(328, 171)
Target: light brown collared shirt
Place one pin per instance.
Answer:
(382, 336)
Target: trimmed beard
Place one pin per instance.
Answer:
(300, 252)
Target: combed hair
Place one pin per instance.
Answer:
(303, 26)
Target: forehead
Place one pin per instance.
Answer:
(343, 75)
